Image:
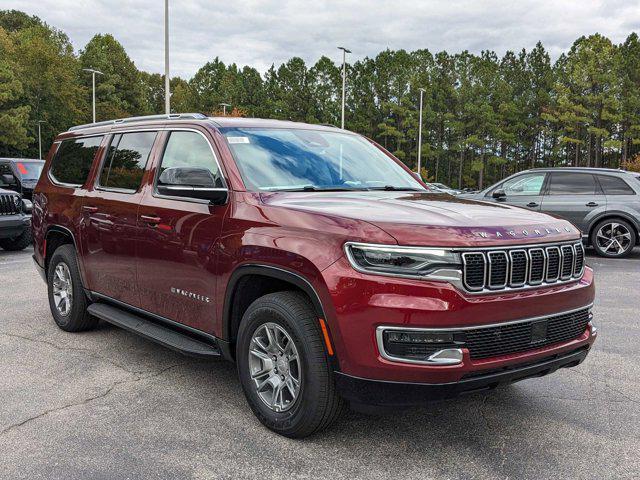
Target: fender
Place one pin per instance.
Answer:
(268, 271)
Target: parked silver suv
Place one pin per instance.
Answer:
(603, 203)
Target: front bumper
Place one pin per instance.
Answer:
(12, 226)
(386, 393)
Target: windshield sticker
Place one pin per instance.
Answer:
(233, 140)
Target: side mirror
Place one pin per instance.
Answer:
(191, 182)
(499, 194)
(8, 179)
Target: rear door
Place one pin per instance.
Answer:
(522, 191)
(177, 249)
(574, 196)
(109, 217)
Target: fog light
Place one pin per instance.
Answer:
(418, 337)
(593, 328)
(449, 356)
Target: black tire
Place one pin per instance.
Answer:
(20, 242)
(317, 405)
(611, 253)
(76, 319)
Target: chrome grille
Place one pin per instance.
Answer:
(9, 204)
(496, 269)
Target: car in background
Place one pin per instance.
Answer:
(20, 175)
(603, 203)
(443, 188)
(15, 221)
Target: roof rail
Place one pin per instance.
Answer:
(144, 118)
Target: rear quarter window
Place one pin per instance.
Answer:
(615, 185)
(73, 160)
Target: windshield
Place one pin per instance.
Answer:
(295, 159)
(29, 170)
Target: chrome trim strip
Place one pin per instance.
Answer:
(477, 327)
(573, 262)
(557, 277)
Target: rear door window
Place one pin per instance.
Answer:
(73, 160)
(573, 184)
(126, 160)
(614, 185)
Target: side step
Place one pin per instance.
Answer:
(156, 333)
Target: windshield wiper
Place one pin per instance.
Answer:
(391, 188)
(311, 188)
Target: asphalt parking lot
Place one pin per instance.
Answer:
(107, 404)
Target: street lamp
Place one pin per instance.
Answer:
(40, 139)
(167, 94)
(224, 108)
(344, 78)
(422, 90)
(93, 72)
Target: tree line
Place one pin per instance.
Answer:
(485, 116)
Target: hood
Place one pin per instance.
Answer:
(432, 219)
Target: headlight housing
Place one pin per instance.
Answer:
(27, 206)
(401, 261)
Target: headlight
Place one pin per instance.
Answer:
(405, 261)
(27, 206)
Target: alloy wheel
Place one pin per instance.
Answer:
(62, 289)
(275, 368)
(613, 238)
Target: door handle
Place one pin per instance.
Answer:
(532, 204)
(150, 219)
(591, 204)
(89, 208)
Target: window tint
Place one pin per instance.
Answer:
(190, 149)
(572, 184)
(614, 185)
(73, 160)
(530, 184)
(126, 160)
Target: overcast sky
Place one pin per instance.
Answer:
(259, 33)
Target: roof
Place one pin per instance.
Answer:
(220, 122)
(21, 159)
(577, 169)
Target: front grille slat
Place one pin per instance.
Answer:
(9, 204)
(514, 268)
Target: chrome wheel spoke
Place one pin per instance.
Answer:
(274, 367)
(62, 289)
(613, 238)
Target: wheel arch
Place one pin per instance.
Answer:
(56, 236)
(267, 279)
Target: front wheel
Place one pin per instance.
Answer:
(20, 242)
(613, 238)
(283, 367)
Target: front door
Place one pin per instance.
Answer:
(109, 218)
(176, 254)
(573, 196)
(523, 191)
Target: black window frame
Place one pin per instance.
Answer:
(600, 175)
(53, 178)
(547, 187)
(105, 157)
(212, 147)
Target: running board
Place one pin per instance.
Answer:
(152, 331)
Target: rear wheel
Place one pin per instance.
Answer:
(614, 238)
(67, 299)
(283, 367)
(20, 242)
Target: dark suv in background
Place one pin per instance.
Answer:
(20, 175)
(603, 203)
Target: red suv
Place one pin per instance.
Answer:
(308, 255)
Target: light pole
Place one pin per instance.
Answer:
(224, 108)
(167, 94)
(40, 122)
(93, 72)
(420, 135)
(344, 78)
